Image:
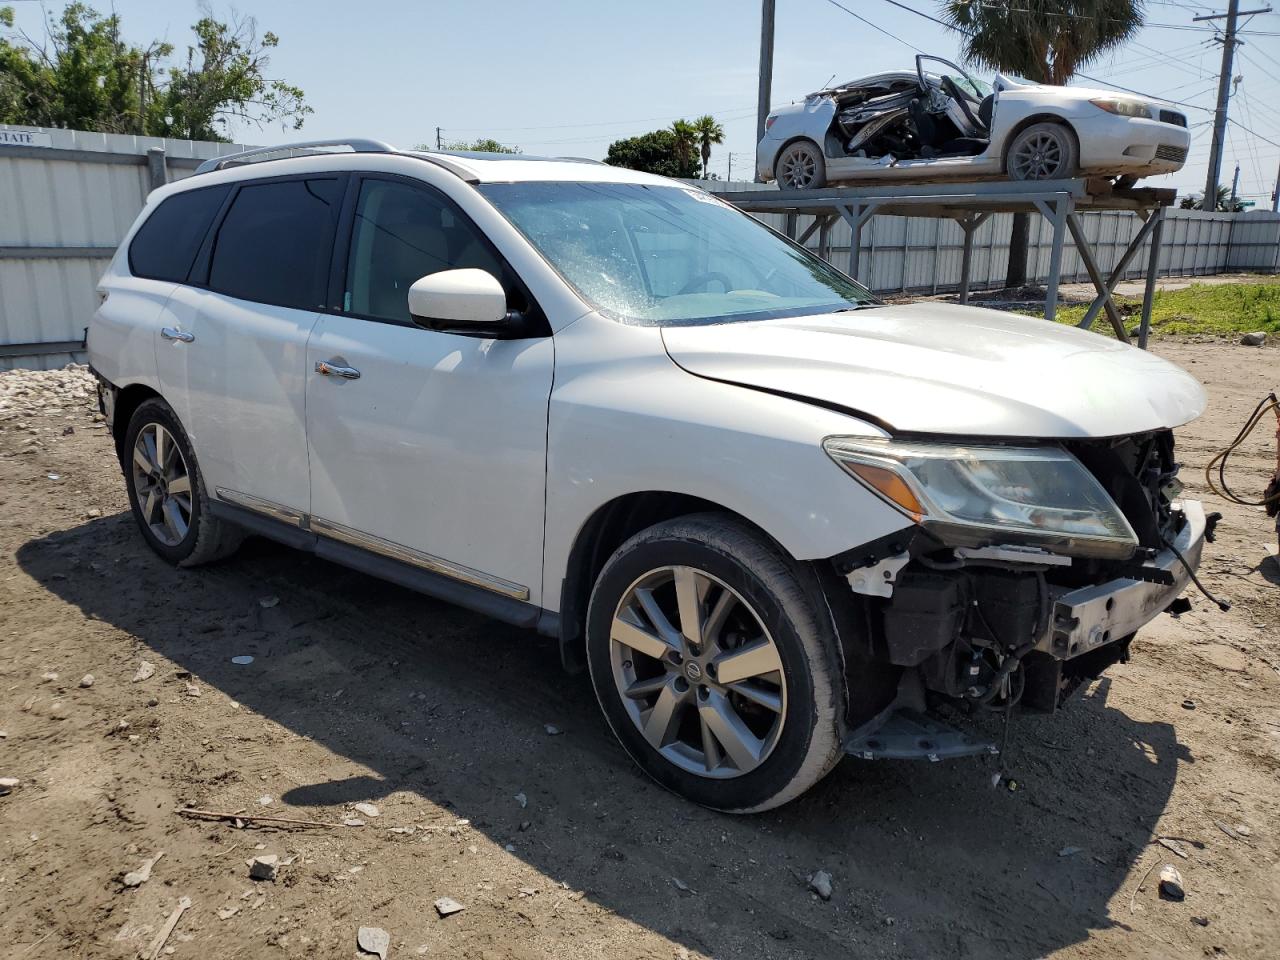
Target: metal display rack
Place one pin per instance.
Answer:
(970, 204)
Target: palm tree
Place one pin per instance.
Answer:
(708, 132)
(686, 135)
(1044, 42)
(1223, 202)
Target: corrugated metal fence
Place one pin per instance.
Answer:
(68, 196)
(66, 199)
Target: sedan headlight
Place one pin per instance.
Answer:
(1123, 107)
(976, 496)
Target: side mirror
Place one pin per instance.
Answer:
(461, 301)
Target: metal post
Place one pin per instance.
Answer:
(824, 238)
(157, 173)
(969, 224)
(855, 214)
(1056, 215)
(766, 69)
(792, 220)
(1153, 268)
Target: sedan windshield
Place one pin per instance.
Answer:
(670, 254)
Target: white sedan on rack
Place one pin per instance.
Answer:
(939, 121)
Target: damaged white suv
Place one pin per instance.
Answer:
(777, 520)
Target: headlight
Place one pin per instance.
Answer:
(976, 496)
(1123, 107)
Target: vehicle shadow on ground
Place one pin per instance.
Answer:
(927, 859)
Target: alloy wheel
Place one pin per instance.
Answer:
(799, 167)
(162, 484)
(1037, 158)
(697, 672)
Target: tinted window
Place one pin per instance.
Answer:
(165, 246)
(273, 245)
(402, 233)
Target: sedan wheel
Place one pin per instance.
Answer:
(698, 672)
(801, 166)
(1043, 151)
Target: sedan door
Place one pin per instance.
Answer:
(232, 354)
(426, 447)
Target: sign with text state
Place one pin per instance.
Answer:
(24, 138)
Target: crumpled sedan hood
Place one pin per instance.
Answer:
(942, 369)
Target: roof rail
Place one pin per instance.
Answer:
(356, 145)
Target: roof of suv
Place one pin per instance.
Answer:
(473, 167)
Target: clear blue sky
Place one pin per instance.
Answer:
(568, 77)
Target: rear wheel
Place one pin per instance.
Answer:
(714, 660)
(166, 491)
(1043, 151)
(801, 166)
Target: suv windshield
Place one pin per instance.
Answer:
(669, 254)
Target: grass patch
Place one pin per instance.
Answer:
(1206, 308)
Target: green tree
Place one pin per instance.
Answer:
(482, 145)
(655, 152)
(685, 136)
(86, 76)
(1042, 41)
(1222, 202)
(708, 132)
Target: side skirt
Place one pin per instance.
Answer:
(506, 609)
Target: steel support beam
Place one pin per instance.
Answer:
(1118, 270)
(969, 223)
(1085, 250)
(856, 215)
(1055, 211)
(1156, 220)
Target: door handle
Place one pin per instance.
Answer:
(173, 333)
(331, 368)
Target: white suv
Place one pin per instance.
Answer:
(776, 519)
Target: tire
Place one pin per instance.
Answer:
(171, 505)
(801, 166)
(1043, 151)
(793, 713)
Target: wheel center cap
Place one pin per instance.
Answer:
(693, 672)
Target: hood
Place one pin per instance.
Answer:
(942, 369)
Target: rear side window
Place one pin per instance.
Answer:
(166, 245)
(274, 244)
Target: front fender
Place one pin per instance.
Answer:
(625, 419)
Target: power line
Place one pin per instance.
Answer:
(858, 16)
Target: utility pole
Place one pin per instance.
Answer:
(1235, 184)
(1229, 42)
(766, 68)
(439, 145)
(728, 177)
(1275, 194)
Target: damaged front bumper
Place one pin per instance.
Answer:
(1090, 617)
(929, 621)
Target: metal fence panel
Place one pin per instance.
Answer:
(67, 204)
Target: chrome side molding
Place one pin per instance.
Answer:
(366, 541)
(269, 507)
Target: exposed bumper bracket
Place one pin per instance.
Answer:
(908, 735)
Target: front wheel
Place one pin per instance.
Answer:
(1043, 151)
(714, 660)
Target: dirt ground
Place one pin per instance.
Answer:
(361, 692)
